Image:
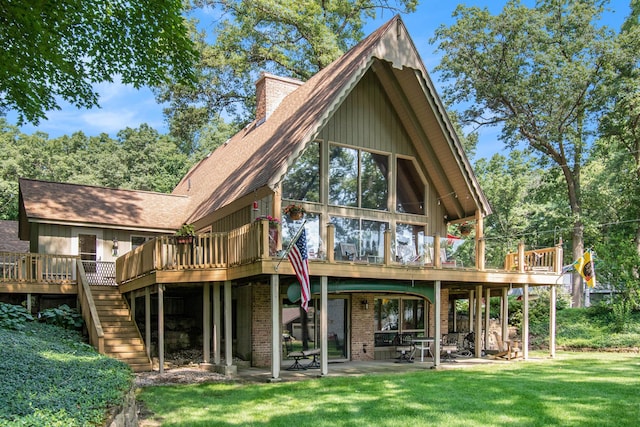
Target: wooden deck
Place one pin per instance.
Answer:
(245, 252)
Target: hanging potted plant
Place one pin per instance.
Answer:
(185, 234)
(273, 232)
(464, 228)
(294, 212)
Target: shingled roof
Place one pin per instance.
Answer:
(9, 241)
(88, 205)
(259, 155)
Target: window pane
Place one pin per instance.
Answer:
(410, 243)
(302, 181)
(386, 314)
(343, 176)
(346, 238)
(314, 244)
(372, 240)
(374, 185)
(409, 188)
(412, 314)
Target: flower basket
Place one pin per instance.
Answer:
(464, 229)
(295, 212)
(273, 222)
(184, 240)
(185, 234)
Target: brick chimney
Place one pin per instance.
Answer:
(270, 91)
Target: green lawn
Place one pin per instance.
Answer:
(575, 389)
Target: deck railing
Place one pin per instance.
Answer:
(250, 243)
(207, 250)
(546, 259)
(30, 267)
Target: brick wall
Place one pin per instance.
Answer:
(362, 336)
(261, 325)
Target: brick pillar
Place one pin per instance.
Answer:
(362, 335)
(261, 325)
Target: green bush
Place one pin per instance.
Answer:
(63, 316)
(14, 316)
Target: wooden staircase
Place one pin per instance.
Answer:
(122, 338)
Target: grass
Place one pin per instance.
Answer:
(591, 328)
(575, 389)
(51, 378)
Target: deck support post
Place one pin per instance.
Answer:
(161, 328)
(324, 326)
(487, 318)
(472, 309)
(228, 338)
(525, 322)
(147, 320)
(552, 321)
(478, 322)
(437, 334)
(217, 321)
(275, 327)
(206, 323)
(504, 314)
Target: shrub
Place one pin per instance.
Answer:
(63, 316)
(14, 316)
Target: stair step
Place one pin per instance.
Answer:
(120, 340)
(114, 312)
(134, 357)
(123, 348)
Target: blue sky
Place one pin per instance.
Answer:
(123, 106)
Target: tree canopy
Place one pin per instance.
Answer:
(52, 50)
(287, 38)
(539, 73)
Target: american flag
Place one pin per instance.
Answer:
(299, 260)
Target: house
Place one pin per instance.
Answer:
(366, 147)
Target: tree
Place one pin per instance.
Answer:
(61, 49)
(139, 159)
(291, 39)
(536, 72)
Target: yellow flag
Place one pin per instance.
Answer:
(584, 265)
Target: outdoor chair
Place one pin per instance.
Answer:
(405, 347)
(509, 349)
(449, 347)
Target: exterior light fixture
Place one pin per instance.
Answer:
(365, 304)
(114, 248)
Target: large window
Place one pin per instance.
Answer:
(410, 243)
(413, 314)
(358, 178)
(315, 247)
(359, 239)
(409, 188)
(387, 314)
(302, 181)
(399, 315)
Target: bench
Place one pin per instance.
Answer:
(304, 354)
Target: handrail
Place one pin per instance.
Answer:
(250, 243)
(534, 260)
(89, 311)
(34, 267)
